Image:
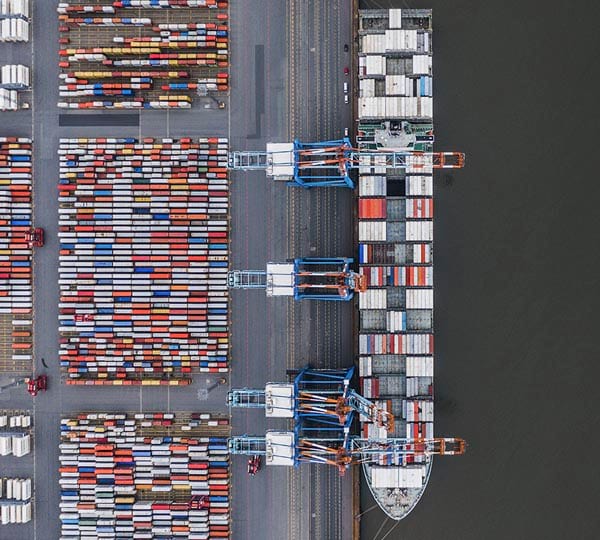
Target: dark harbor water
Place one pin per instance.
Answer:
(517, 263)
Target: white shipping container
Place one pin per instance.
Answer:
(372, 231)
(5, 445)
(400, 40)
(419, 366)
(8, 100)
(366, 87)
(419, 185)
(372, 186)
(396, 321)
(395, 20)
(421, 64)
(365, 366)
(419, 298)
(418, 231)
(398, 477)
(422, 253)
(396, 85)
(372, 43)
(21, 445)
(373, 299)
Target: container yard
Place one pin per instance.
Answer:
(145, 225)
(145, 475)
(142, 54)
(395, 234)
(16, 297)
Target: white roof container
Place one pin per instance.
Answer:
(419, 185)
(375, 65)
(396, 321)
(400, 40)
(419, 298)
(372, 186)
(398, 477)
(366, 87)
(395, 18)
(419, 366)
(8, 100)
(395, 85)
(421, 64)
(417, 231)
(372, 231)
(422, 253)
(373, 299)
(373, 43)
(365, 366)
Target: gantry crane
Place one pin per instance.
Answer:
(286, 448)
(323, 395)
(322, 405)
(328, 163)
(307, 278)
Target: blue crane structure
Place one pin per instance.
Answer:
(329, 163)
(322, 406)
(313, 278)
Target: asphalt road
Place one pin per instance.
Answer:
(269, 222)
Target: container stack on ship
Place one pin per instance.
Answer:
(395, 209)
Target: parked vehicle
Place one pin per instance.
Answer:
(253, 465)
(37, 384)
(35, 237)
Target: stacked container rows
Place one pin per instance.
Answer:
(395, 232)
(14, 29)
(18, 489)
(143, 476)
(143, 259)
(18, 9)
(15, 433)
(138, 54)
(15, 255)
(15, 500)
(14, 78)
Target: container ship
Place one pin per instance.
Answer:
(395, 235)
